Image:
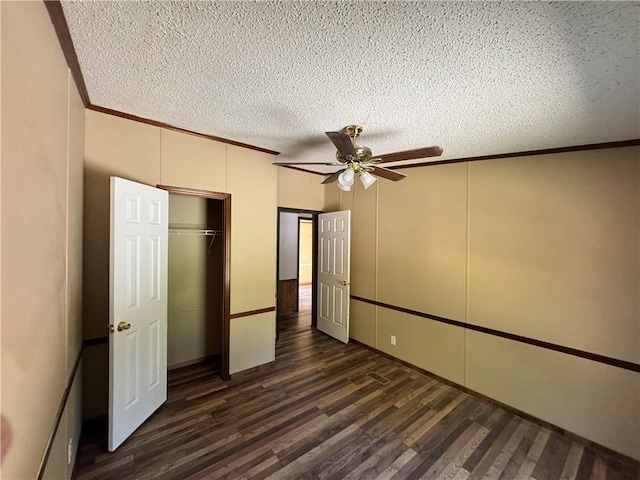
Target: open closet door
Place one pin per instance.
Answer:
(137, 306)
(334, 250)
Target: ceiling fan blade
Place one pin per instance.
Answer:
(343, 143)
(386, 173)
(335, 164)
(333, 177)
(425, 152)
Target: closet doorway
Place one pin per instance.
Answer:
(198, 278)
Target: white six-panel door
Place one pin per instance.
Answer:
(137, 306)
(334, 244)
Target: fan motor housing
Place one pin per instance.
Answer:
(363, 154)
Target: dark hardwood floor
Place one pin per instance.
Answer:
(327, 410)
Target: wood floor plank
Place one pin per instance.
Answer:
(347, 389)
(298, 467)
(328, 411)
(586, 464)
(551, 462)
(437, 468)
(328, 430)
(392, 470)
(407, 470)
(506, 452)
(431, 455)
(520, 453)
(236, 462)
(462, 474)
(529, 463)
(247, 468)
(570, 469)
(374, 461)
(349, 454)
(429, 424)
(397, 417)
(106, 469)
(486, 411)
(268, 466)
(285, 442)
(495, 431)
(442, 434)
(456, 464)
(248, 445)
(599, 471)
(494, 449)
(418, 393)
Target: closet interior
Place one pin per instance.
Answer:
(195, 281)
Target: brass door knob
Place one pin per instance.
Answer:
(123, 326)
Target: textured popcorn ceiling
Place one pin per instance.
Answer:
(475, 78)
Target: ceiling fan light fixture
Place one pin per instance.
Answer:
(346, 179)
(367, 179)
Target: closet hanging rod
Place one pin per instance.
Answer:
(194, 231)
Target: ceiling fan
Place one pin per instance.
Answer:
(357, 159)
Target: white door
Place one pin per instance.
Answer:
(137, 306)
(334, 245)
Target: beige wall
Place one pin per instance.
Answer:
(546, 247)
(298, 189)
(153, 155)
(251, 180)
(253, 256)
(193, 161)
(332, 198)
(247, 344)
(123, 148)
(42, 145)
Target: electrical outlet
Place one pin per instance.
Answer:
(70, 451)
(393, 340)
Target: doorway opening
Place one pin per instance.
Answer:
(305, 264)
(198, 279)
(296, 266)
